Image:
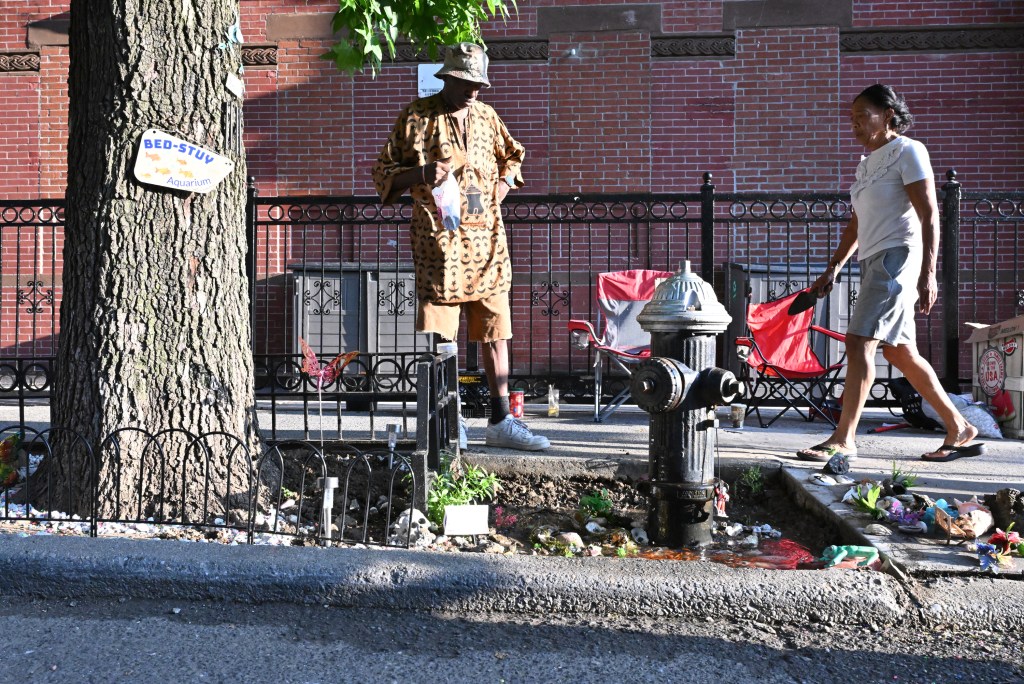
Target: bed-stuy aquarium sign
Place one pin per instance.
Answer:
(170, 162)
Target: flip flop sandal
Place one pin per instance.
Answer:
(823, 453)
(952, 452)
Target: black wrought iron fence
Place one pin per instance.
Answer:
(337, 272)
(133, 483)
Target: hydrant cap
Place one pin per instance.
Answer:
(684, 302)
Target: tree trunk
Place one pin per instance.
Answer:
(154, 318)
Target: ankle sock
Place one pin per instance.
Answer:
(499, 409)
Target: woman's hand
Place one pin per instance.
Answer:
(823, 285)
(927, 292)
(503, 189)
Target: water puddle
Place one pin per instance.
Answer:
(771, 554)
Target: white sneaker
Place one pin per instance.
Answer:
(513, 433)
(463, 437)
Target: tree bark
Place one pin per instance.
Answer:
(154, 318)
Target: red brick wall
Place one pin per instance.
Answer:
(600, 126)
(314, 122)
(787, 118)
(968, 109)
(19, 112)
(889, 14)
(693, 113)
(53, 121)
(774, 116)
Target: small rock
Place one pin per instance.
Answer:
(507, 542)
(640, 536)
(176, 611)
(570, 539)
(876, 530)
(734, 529)
(543, 534)
(593, 527)
(823, 479)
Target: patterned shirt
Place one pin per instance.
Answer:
(472, 262)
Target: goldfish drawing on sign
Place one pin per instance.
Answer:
(163, 172)
(188, 174)
(183, 162)
(153, 156)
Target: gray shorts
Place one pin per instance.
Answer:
(888, 293)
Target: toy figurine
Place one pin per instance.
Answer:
(721, 496)
(864, 555)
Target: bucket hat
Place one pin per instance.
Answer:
(467, 61)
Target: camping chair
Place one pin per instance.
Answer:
(778, 352)
(620, 297)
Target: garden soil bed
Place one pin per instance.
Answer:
(535, 501)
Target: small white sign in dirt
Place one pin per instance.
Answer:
(463, 521)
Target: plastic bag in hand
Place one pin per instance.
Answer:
(448, 198)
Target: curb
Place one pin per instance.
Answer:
(418, 580)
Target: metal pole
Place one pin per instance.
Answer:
(707, 230)
(950, 236)
(250, 252)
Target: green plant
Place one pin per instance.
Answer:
(752, 480)
(458, 484)
(368, 28)
(596, 504)
(908, 479)
(866, 499)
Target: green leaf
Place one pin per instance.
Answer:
(426, 25)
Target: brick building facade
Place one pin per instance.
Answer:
(607, 97)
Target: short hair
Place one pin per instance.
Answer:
(884, 97)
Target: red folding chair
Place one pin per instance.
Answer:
(621, 295)
(785, 368)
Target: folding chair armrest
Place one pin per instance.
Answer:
(830, 333)
(626, 356)
(585, 328)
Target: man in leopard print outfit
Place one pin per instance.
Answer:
(466, 269)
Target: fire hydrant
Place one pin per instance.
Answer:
(680, 387)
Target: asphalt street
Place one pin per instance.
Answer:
(67, 642)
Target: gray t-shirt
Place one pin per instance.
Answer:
(885, 216)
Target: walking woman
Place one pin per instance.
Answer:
(895, 230)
